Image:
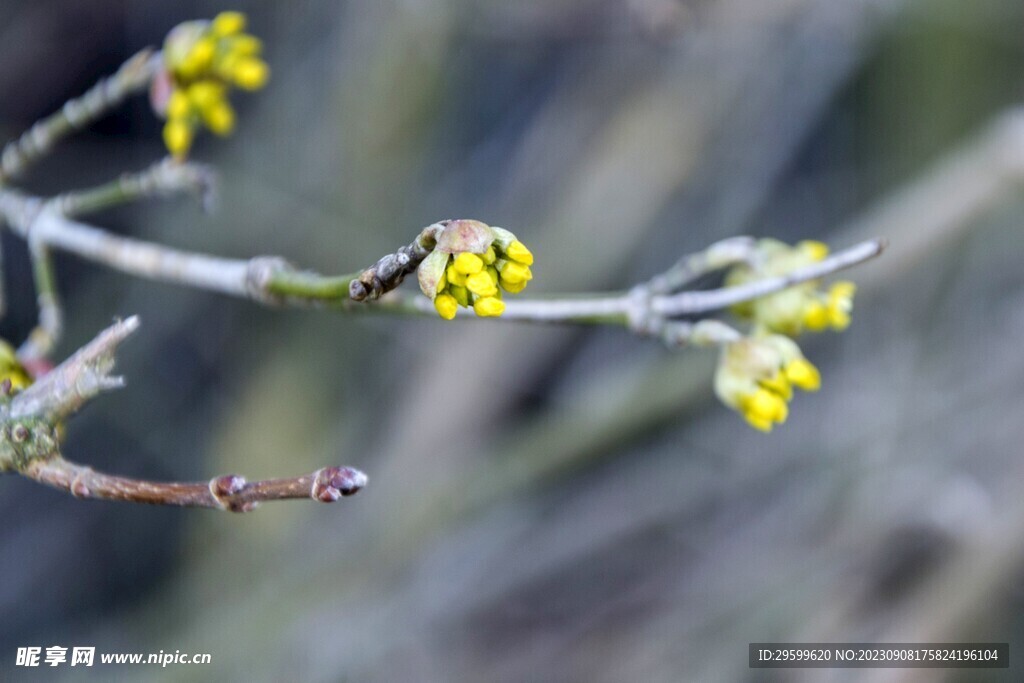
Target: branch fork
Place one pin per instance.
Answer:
(29, 444)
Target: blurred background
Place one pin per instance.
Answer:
(545, 504)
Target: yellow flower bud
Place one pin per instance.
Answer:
(813, 249)
(177, 137)
(228, 23)
(517, 251)
(840, 303)
(758, 423)
(803, 374)
(201, 55)
(446, 306)
(454, 276)
(492, 273)
(514, 273)
(480, 284)
(220, 118)
(250, 73)
(490, 256)
(468, 264)
(442, 283)
(245, 46)
(12, 369)
(780, 384)
(178, 105)
(816, 316)
(489, 307)
(513, 287)
(765, 405)
(206, 94)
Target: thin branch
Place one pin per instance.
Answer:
(78, 113)
(271, 280)
(47, 332)
(229, 492)
(165, 178)
(689, 303)
(64, 390)
(722, 254)
(29, 444)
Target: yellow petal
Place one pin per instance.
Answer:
(490, 256)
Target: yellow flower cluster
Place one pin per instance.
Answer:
(11, 369)
(804, 307)
(204, 60)
(471, 267)
(756, 376)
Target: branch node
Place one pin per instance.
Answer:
(224, 488)
(259, 274)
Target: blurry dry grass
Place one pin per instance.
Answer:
(582, 510)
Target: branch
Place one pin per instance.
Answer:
(29, 444)
(271, 280)
(165, 178)
(229, 492)
(76, 114)
(66, 388)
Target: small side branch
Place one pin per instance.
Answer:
(64, 390)
(722, 254)
(44, 338)
(76, 114)
(230, 492)
(690, 303)
(271, 280)
(165, 178)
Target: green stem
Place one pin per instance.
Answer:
(310, 285)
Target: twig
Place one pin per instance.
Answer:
(689, 303)
(229, 492)
(29, 444)
(133, 76)
(164, 178)
(44, 337)
(719, 255)
(64, 390)
(271, 280)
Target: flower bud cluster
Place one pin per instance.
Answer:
(205, 60)
(471, 267)
(803, 307)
